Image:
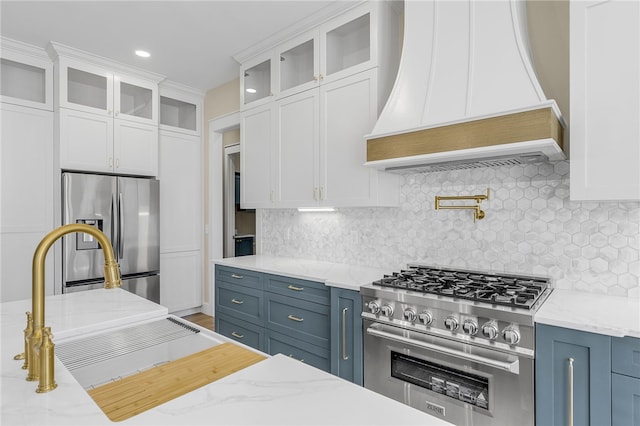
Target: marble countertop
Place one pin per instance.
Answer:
(276, 391)
(332, 274)
(595, 313)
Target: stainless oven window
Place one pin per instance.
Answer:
(448, 381)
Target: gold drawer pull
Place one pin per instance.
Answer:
(236, 335)
(292, 318)
(237, 302)
(293, 287)
(570, 391)
(238, 277)
(291, 356)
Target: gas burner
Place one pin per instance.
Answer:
(497, 289)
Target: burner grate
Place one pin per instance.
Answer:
(499, 289)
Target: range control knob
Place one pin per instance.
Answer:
(451, 323)
(387, 310)
(374, 308)
(470, 327)
(511, 335)
(425, 317)
(490, 331)
(410, 315)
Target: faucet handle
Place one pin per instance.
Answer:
(27, 333)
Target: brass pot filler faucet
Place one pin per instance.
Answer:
(38, 345)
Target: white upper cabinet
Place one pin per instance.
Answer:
(107, 115)
(605, 100)
(339, 47)
(90, 88)
(180, 109)
(27, 75)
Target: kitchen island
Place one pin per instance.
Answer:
(276, 391)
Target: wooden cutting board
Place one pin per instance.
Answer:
(140, 392)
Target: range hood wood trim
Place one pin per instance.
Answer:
(505, 129)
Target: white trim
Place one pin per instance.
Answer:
(217, 127)
(229, 185)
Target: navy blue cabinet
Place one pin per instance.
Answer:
(625, 381)
(346, 335)
(572, 360)
(303, 319)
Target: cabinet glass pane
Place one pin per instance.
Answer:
(22, 81)
(135, 100)
(177, 113)
(84, 88)
(257, 82)
(349, 44)
(296, 66)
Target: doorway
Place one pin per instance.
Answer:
(240, 224)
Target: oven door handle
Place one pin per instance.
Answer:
(511, 367)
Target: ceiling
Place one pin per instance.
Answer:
(191, 42)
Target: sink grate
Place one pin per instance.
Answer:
(90, 350)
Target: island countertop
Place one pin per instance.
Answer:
(276, 391)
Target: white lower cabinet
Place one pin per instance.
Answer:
(181, 280)
(96, 143)
(180, 174)
(27, 188)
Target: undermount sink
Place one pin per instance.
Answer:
(113, 355)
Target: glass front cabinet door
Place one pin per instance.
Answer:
(256, 82)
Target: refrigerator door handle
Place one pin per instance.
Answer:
(113, 236)
(120, 226)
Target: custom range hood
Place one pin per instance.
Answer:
(466, 94)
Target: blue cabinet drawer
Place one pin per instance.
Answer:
(237, 276)
(625, 356)
(246, 333)
(312, 291)
(625, 400)
(240, 302)
(277, 343)
(303, 320)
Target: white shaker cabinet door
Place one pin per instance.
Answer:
(298, 117)
(181, 280)
(258, 158)
(135, 148)
(605, 100)
(86, 141)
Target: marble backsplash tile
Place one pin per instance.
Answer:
(531, 227)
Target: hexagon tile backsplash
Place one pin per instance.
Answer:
(531, 227)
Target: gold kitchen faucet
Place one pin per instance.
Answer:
(38, 345)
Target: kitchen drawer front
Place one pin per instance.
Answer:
(312, 291)
(240, 302)
(625, 400)
(300, 319)
(237, 276)
(248, 334)
(302, 351)
(625, 356)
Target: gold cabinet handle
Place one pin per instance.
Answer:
(293, 287)
(110, 161)
(344, 335)
(291, 356)
(236, 335)
(237, 302)
(238, 277)
(570, 391)
(294, 318)
(321, 193)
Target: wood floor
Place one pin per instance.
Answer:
(203, 320)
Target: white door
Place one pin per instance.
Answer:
(181, 280)
(258, 158)
(298, 137)
(86, 141)
(135, 148)
(348, 113)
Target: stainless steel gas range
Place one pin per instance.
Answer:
(456, 344)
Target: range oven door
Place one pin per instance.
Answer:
(459, 382)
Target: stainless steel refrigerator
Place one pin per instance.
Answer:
(126, 209)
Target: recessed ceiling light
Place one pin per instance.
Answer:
(143, 54)
(250, 90)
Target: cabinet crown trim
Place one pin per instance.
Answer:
(57, 50)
